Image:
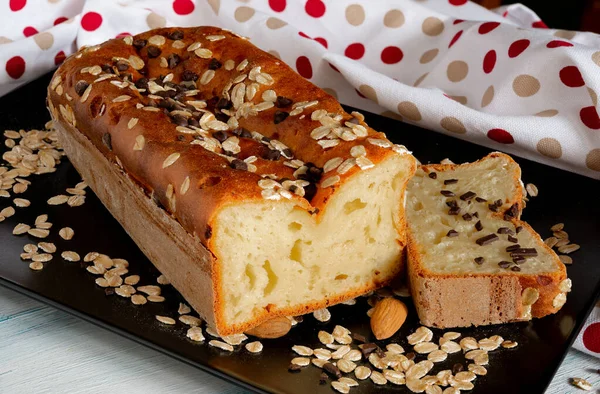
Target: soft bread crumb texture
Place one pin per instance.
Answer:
(276, 255)
(427, 215)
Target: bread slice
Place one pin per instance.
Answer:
(450, 283)
(249, 188)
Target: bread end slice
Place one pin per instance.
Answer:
(448, 287)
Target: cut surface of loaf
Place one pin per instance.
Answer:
(471, 261)
(288, 203)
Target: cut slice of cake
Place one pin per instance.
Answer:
(471, 261)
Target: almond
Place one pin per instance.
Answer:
(388, 316)
(273, 328)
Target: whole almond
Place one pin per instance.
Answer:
(388, 316)
(273, 328)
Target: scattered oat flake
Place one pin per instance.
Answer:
(302, 350)
(254, 347)
(162, 280)
(57, 200)
(325, 338)
(190, 320)
(322, 315)
(138, 299)
(362, 372)
(36, 266)
(195, 334)
(38, 232)
(183, 309)
(477, 369)
(21, 202)
(155, 298)
(340, 387)
(66, 233)
(7, 212)
(509, 344)
(165, 319)
(581, 383)
(132, 279)
(557, 227)
(102, 282)
(21, 228)
(221, 345)
(378, 378)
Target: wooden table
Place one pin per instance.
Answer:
(44, 350)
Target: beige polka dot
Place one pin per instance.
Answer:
(368, 92)
(275, 23)
(452, 124)
(549, 147)
(420, 79)
(392, 115)
(488, 96)
(547, 113)
(243, 14)
(331, 92)
(215, 5)
(461, 99)
(155, 21)
(44, 40)
(53, 1)
(596, 58)
(409, 111)
(566, 34)
(432, 26)
(457, 71)
(525, 85)
(393, 18)
(592, 160)
(593, 96)
(355, 14)
(275, 53)
(429, 55)
(4, 40)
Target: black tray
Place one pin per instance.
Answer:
(564, 197)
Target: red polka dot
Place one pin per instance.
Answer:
(359, 93)
(334, 67)
(571, 77)
(15, 67)
(315, 8)
(302, 34)
(321, 41)
(391, 55)
(59, 58)
(304, 67)
(457, 21)
(457, 2)
(355, 51)
(558, 43)
(121, 35)
(60, 20)
(91, 21)
(489, 61)
(455, 38)
(517, 47)
(277, 5)
(505, 14)
(487, 27)
(501, 136)
(589, 117)
(183, 7)
(591, 337)
(17, 5)
(29, 31)
(539, 25)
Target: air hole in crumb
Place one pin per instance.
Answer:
(418, 206)
(372, 185)
(294, 226)
(398, 181)
(251, 276)
(209, 182)
(271, 277)
(341, 277)
(95, 105)
(115, 115)
(354, 205)
(296, 251)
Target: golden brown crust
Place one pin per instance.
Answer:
(449, 300)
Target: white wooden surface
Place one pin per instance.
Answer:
(44, 350)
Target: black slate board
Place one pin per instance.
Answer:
(529, 368)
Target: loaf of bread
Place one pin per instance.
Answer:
(471, 261)
(250, 188)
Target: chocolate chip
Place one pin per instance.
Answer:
(454, 210)
(238, 164)
(433, 175)
(488, 239)
(515, 268)
(518, 259)
(122, 66)
(272, 154)
(359, 338)
(173, 60)
(478, 226)
(479, 199)
(467, 196)
(142, 83)
(153, 51)
(367, 349)
(332, 370)
(476, 214)
(214, 64)
(447, 193)
(504, 264)
(309, 192)
(493, 207)
(208, 232)
(379, 351)
(188, 75)
(511, 212)
(513, 239)
(107, 68)
(498, 202)
(294, 368)
(280, 116)
(479, 260)
(222, 117)
(451, 203)
(519, 229)
(106, 140)
(179, 120)
(80, 87)
(287, 153)
(467, 217)
(175, 35)
(193, 122)
(524, 252)
(411, 355)
(282, 102)
(323, 378)
(450, 181)
(456, 368)
(452, 233)
(109, 291)
(512, 248)
(299, 318)
(223, 103)
(505, 230)
(220, 135)
(139, 43)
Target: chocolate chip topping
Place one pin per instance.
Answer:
(479, 260)
(214, 64)
(478, 226)
(515, 268)
(411, 355)
(452, 233)
(139, 43)
(513, 239)
(323, 378)
(80, 87)
(208, 232)
(467, 217)
(142, 83)
(504, 264)
(518, 229)
(433, 175)
(358, 337)
(173, 60)
(524, 252)
(280, 116)
(106, 140)
(512, 248)
(476, 214)
(188, 75)
(332, 370)
(122, 66)
(493, 207)
(447, 193)
(456, 368)
(488, 239)
(518, 259)
(367, 349)
(512, 212)
(454, 210)
(175, 35)
(467, 196)
(450, 181)
(282, 102)
(223, 103)
(480, 199)
(153, 51)
(505, 230)
(109, 291)
(220, 135)
(238, 164)
(294, 367)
